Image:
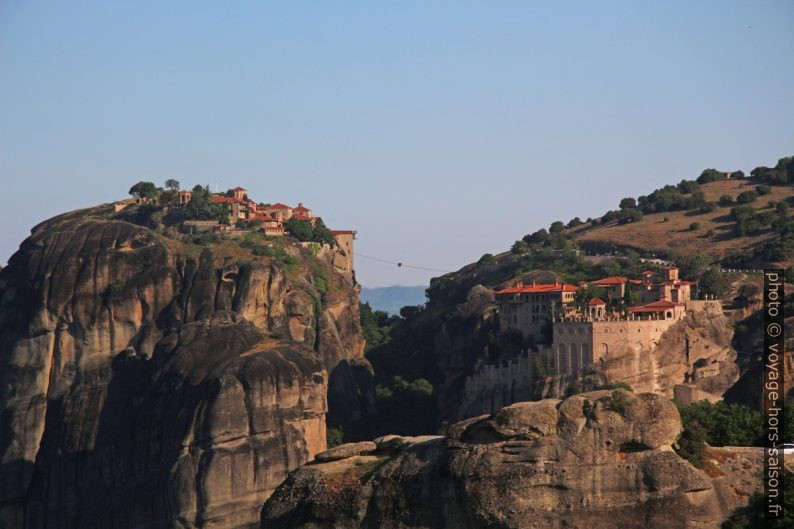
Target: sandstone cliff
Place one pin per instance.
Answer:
(148, 382)
(590, 461)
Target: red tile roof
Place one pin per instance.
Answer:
(301, 208)
(611, 280)
(239, 189)
(656, 306)
(539, 288)
(278, 205)
(342, 232)
(595, 301)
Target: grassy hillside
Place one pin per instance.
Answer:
(669, 233)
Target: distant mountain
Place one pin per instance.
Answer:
(393, 298)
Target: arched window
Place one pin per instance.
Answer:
(669, 314)
(563, 353)
(575, 359)
(587, 358)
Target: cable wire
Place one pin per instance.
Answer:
(402, 265)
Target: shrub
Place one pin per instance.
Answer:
(334, 436)
(618, 402)
(725, 200)
(116, 289)
(615, 385)
(745, 197)
(486, 259)
(694, 226)
(708, 207)
(763, 190)
(691, 444)
(710, 175)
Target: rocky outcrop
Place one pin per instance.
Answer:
(150, 382)
(695, 351)
(596, 460)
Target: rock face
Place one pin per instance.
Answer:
(150, 383)
(595, 460)
(694, 357)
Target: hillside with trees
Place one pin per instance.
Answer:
(741, 221)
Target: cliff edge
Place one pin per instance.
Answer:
(596, 460)
(150, 381)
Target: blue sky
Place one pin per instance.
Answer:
(439, 130)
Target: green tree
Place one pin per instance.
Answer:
(745, 197)
(713, 282)
(144, 190)
(629, 297)
(725, 424)
(627, 203)
(520, 248)
(586, 293)
(691, 444)
(692, 266)
(556, 227)
(629, 215)
(172, 184)
(688, 186)
(321, 233)
(200, 207)
(539, 237)
(710, 175)
(725, 200)
(300, 229)
(334, 436)
(486, 259)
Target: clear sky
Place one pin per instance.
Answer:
(439, 130)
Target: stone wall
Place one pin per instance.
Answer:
(614, 350)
